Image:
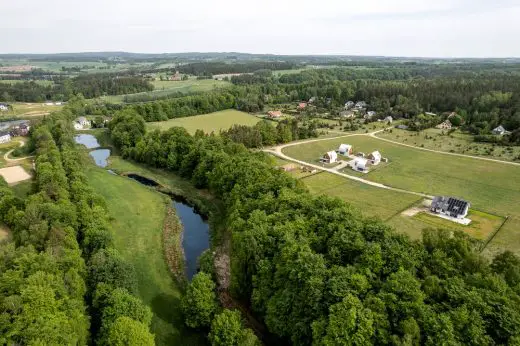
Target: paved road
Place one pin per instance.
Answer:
(278, 152)
(6, 155)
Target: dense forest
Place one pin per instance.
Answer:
(212, 68)
(61, 281)
(315, 271)
(90, 86)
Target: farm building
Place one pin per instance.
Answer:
(4, 107)
(5, 137)
(349, 105)
(274, 114)
(345, 149)
(389, 119)
(375, 158)
(330, 157)
(445, 125)
(360, 164)
(450, 206)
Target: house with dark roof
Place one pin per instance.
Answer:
(450, 206)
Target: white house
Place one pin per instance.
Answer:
(500, 130)
(345, 149)
(389, 119)
(5, 137)
(81, 123)
(348, 105)
(4, 107)
(370, 115)
(360, 104)
(360, 164)
(330, 157)
(375, 158)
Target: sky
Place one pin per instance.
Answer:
(419, 28)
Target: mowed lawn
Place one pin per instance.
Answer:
(137, 215)
(371, 201)
(488, 186)
(212, 122)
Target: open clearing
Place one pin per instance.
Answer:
(4, 233)
(165, 88)
(14, 174)
(30, 109)
(455, 142)
(212, 122)
(137, 215)
(491, 187)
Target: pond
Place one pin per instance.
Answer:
(87, 140)
(100, 157)
(195, 238)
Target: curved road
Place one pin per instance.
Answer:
(277, 151)
(6, 155)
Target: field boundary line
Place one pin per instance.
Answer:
(492, 236)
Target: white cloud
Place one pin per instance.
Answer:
(369, 27)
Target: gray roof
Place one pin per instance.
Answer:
(450, 205)
(499, 129)
(4, 133)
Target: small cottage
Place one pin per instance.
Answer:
(389, 119)
(330, 157)
(349, 105)
(360, 164)
(345, 149)
(374, 158)
(499, 131)
(4, 107)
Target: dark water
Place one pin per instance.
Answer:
(100, 157)
(196, 231)
(195, 237)
(87, 140)
(143, 180)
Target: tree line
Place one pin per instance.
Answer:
(61, 280)
(213, 68)
(316, 271)
(89, 85)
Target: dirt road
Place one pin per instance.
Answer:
(6, 155)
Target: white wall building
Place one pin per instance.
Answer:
(375, 158)
(330, 157)
(5, 137)
(345, 149)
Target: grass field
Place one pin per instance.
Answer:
(456, 142)
(165, 88)
(491, 187)
(30, 109)
(137, 215)
(212, 122)
(371, 201)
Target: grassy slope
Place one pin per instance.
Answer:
(217, 121)
(138, 213)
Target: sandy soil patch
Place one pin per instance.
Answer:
(14, 174)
